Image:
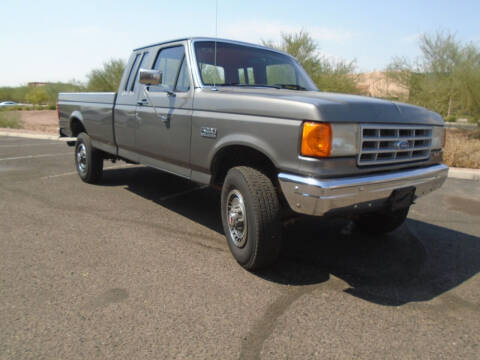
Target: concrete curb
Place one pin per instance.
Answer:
(464, 173)
(456, 173)
(35, 136)
(461, 126)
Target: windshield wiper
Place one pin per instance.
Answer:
(250, 85)
(275, 86)
(290, 86)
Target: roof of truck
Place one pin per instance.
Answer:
(206, 39)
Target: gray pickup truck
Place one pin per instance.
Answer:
(248, 120)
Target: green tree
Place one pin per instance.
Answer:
(328, 75)
(446, 77)
(37, 95)
(108, 78)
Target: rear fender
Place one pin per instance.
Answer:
(76, 116)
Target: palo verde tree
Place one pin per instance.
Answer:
(446, 77)
(108, 78)
(37, 95)
(328, 74)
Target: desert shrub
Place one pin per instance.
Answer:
(474, 134)
(462, 148)
(10, 119)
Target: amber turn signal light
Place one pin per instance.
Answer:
(316, 139)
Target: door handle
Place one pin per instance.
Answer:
(142, 102)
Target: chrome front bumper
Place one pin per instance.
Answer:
(312, 196)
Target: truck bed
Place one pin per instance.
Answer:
(88, 97)
(97, 107)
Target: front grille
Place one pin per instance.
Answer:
(388, 144)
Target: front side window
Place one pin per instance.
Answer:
(169, 62)
(240, 65)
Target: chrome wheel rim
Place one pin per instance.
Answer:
(82, 158)
(237, 218)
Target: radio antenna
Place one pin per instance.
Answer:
(215, 53)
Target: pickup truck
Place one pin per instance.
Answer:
(248, 120)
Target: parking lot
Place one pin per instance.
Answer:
(138, 268)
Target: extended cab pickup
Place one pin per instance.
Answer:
(249, 120)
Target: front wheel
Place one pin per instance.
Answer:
(382, 222)
(251, 217)
(88, 160)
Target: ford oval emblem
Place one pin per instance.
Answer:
(402, 145)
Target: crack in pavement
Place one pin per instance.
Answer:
(263, 328)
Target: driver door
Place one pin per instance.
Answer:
(164, 114)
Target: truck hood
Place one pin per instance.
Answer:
(311, 106)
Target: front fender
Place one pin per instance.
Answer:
(246, 140)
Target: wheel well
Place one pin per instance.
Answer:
(238, 155)
(76, 127)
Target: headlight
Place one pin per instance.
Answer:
(344, 139)
(438, 137)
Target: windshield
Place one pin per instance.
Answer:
(238, 65)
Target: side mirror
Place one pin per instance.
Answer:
(150, 77)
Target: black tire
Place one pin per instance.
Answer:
(382, 222)
(88, 160)
(262, 240)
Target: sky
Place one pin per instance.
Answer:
(52, 40)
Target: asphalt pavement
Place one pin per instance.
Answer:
(137, 267)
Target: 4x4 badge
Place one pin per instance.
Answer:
(208, 132)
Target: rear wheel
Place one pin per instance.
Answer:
(382, 222)
(88, 160)
(251, 217)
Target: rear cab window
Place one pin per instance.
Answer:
(140, 65)
(134, 64)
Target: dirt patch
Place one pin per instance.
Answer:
(378, 84)
(43, 121)
(35, 121)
